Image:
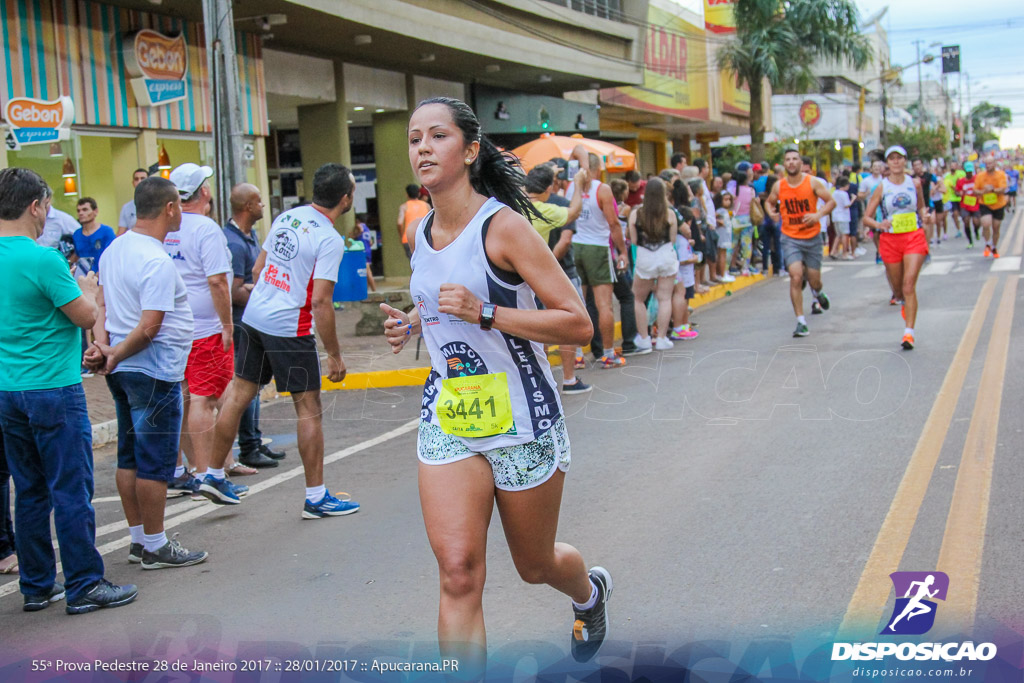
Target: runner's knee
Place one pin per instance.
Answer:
(462, 573)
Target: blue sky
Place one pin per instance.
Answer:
(988, 33)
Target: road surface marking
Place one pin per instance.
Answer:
(938, 268)
(203, 510)
(1005, 264)
(964, 540)
(864, 612)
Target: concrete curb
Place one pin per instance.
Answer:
(106, 432)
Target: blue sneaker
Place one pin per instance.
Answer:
(184, 485)
(220, 491)
(329, 507)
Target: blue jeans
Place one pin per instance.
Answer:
(6, 526)
(249, 435)
(771, 245)
(148, 424)
(48, 442)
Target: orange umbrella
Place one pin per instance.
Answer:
(548, 146)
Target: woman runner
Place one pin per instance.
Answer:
(903, 245)
(491, 425)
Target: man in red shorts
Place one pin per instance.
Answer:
(200, 252)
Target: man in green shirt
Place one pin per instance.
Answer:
(46, 430)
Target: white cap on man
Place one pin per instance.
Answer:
(896, 148)
(189, 177)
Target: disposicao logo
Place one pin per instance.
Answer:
(35, 121)
(913, 614)
(158, 65)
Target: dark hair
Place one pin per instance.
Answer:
(494, 173)
(740, 178)
(719, 199)
(687, 213)
(789, 150)
(152, 195)
(539, 179)
(412, 191)
(913, 159)
(677, 159)
(681, 194)
(700, 164)
(88, 200)
(140, 170)
(559, 162)
(19, 187)
(632, 176)
(620, 188)
(806, 159)
(332, 183)
(652, 215)
(842, 182)
(855, 168)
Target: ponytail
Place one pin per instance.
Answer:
(494, 173)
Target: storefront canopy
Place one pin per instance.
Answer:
(548, 146)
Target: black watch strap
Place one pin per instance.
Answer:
(487, 316)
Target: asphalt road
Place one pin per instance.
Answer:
(746, 490)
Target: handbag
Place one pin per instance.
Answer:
(756, 212)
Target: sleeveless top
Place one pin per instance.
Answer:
(794, 204)
(591, 227)
(415, 209)
(643, 241)
(897, 199)
(460, 349)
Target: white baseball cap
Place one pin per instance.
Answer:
(893, 148)
(190, 177)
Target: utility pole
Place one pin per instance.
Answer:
(970, 131)
(960, 106)
(920, 91)
(222, 62)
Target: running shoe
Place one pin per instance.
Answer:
(801, 330)
(878, 259)
(591, 625)
(578, 387)
(970, 245)
(135, 553)
(329, 506)
(184, 485)
(663, 344)
(824, 300)
(893, 301)
(987, 252)
(220, 491)
(908, 342)
(684, 335)
(34, 603)
(613, 361)
(995, 253)
(580, 362)
(860, 251)
(171, 554)
(103, 594)
(745, 273)
(727, 278)
(641, 346)
(816, 308)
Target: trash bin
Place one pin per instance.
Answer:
(351, 285)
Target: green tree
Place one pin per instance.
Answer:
(986, 118)
(778, 40)
(926, 142)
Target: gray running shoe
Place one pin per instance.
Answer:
(34, 603)
(135, 553)
(801, 330)
(171, 554)
(103, 594)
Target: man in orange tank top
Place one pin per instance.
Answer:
(796, 198)
(411, 211)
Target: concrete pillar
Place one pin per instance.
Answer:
(323, 138)
(687, 148)
(3, 155)
(147, 148)
(661, 158)
(391, 151)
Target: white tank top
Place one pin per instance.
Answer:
(898, 199)
(591, 227)
(458, 348)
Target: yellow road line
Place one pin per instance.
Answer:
(1018, 239)
(964, 540)
(872, 593)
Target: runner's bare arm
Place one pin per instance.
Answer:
(606, 202)
(872, 208)
(564, 244)
(513, 245)
(322, 303)
(922, 205)
(220, 293)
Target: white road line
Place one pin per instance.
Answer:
(1005, 263)
(203, 510)
(938, 268)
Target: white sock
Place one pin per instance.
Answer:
(178, 471)
(153, 542)
(567, 383)
(215, 473)
(314, 494)
(591, 602)
(802, 320)
(136, 532)
(908, 330)
(815, 293)
(201, 475)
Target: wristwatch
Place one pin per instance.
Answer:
(487, 316)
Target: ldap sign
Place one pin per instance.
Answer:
(37, 121)
(157, 65)
(810, 113)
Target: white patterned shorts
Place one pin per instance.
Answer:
(515, 468)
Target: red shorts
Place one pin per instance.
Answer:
(210, 368)
(893, 247)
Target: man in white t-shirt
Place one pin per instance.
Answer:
(142, 346)
(200, 253)
(295, 276)
(57, 225)
(126, 219)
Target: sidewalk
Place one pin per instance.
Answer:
(369, 361)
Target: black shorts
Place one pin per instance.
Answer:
(997, 214)
(293, 362)
(938, 206)
(1011, 193)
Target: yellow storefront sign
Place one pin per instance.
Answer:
(719, 17)
(735, 100)
(675, 69)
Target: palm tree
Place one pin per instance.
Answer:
(778, 40)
